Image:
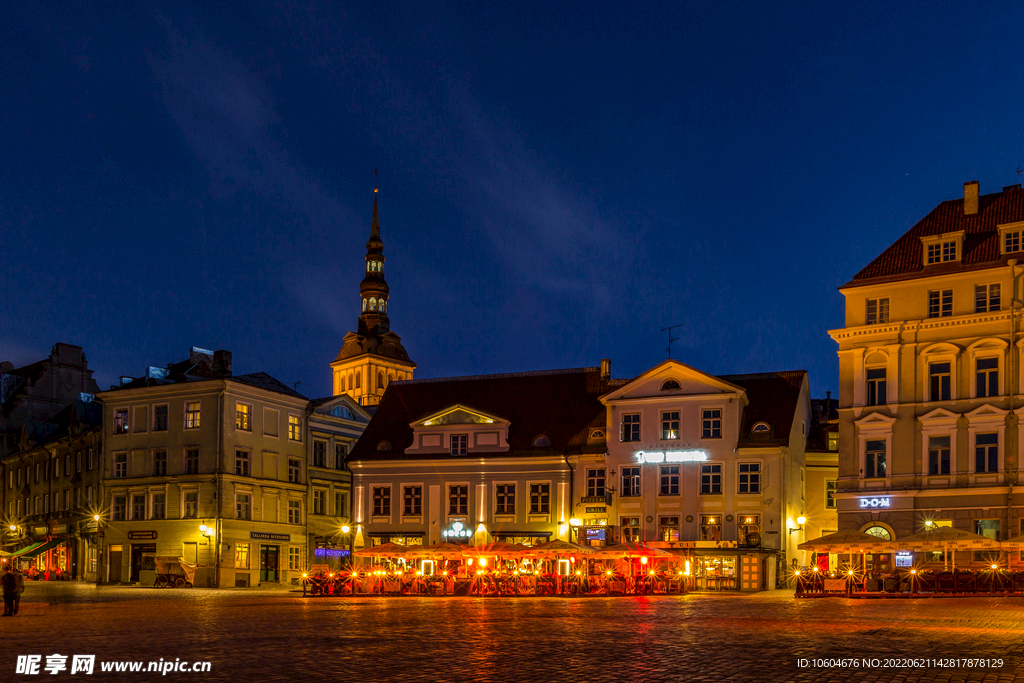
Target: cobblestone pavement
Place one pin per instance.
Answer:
(280, 636)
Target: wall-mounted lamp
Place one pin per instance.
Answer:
(799, 520)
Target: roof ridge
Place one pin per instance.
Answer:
(504, 375)
(765, 375)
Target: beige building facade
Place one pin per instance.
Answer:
(207, 466)
(930, 378)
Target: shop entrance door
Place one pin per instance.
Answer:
(114, 564)
(268, 563)
(142, 558)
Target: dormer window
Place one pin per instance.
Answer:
(1011, 238)
(384, 447)
(541, 441)
(669, 385)
(761, 428)
(943, 248)
(597, 434)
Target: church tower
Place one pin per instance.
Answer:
(373, 356)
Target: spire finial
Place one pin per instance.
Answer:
(375, 180)
(375, 224)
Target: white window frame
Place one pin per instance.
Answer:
(423, 500)
(721, 421)
(761, 478)
(874, 427)
(878, 305)
(181, 503)
(987, 348)
(985, 420)
(940, 353)
(939, 422)
(957, 238)
(505, 516)
(448, 514)
(552, 502)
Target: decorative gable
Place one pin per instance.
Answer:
(674, 379)
(459, 430)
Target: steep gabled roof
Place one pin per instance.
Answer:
(559, 404)
(773, 398)
(903, 260)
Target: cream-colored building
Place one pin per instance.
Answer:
(930, 378)
(822, 463)
(713, 466)
(205, 465)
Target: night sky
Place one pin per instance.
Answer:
(557, 182)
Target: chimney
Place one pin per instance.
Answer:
(222, 363)
(971, 198)
(606, 368)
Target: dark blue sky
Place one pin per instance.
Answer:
(557, 182)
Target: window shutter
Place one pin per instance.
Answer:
(620, 430)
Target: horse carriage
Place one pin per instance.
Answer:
(174, 571)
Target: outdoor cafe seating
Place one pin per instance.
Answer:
(554, 568)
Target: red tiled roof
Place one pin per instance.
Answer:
(773, 399)
(903, 260)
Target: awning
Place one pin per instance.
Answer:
(26, 549)
(42, 548)
(525, 534)
(396, 534)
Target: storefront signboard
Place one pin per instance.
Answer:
(904, 558)
(671, 456)
(599, 511)
(457, 530)
(264, 536)
(592, 499)
(141, 535)
(874, 502)
(835, 585)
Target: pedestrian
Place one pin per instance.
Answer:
(19, 588)
(9, 586)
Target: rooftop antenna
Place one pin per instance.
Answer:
(670, 337)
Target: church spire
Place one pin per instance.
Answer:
(373, 290)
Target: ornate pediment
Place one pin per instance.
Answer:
(458, 415)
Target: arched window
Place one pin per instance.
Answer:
(373, 304)
(380, 380)
(369, 266)
(541, 441)
(391, 378)
(880, 532)
(669, 385)
(384, 446)
(597, 434)
(383, 305)
(761, 428)
(359, 382)
(343, 378)
(364, 305)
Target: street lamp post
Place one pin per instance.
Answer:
(99, 560)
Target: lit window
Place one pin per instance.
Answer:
(747, 525)
(243, 417)
(373, 304)
(121, 421)
(630, 529)
(670, 425)
(294, 428)
(192, 415)
(710, 527)
(294, 512)
(668, 528)
(878, 311)
(241, 556)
